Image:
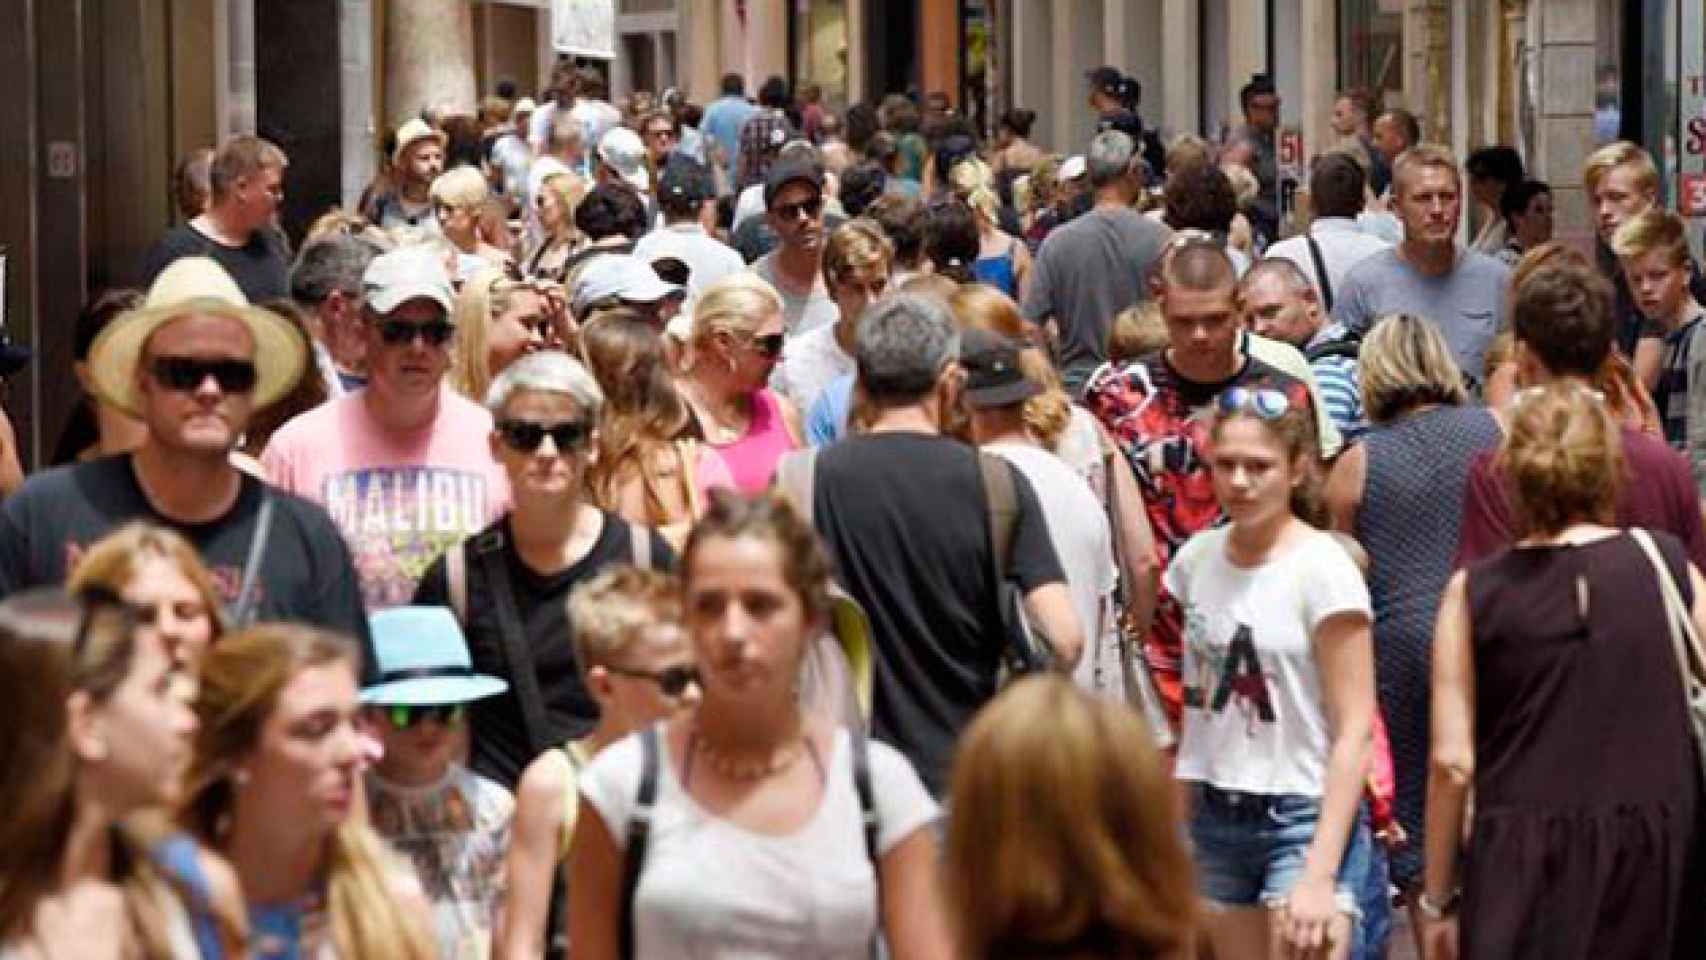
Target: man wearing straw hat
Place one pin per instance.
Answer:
(416, 162)
(192, 363)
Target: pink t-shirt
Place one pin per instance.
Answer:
(399, 499)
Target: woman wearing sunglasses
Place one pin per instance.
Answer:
(556, 201)
(274, 786)
(508, 583)
(737, 342)
(98, 730)
(757, 845)
(1278, 691)
(638, 665)
(452, 823)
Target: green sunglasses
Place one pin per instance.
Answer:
(405, 715)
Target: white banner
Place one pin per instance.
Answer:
(584, 28)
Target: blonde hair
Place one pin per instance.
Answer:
(975, 184)
(1098, 865)
(1406, 363)
(1137, 331)
(569, 189)
(1654, 229)
(736, 305)
(1564, 457)
(241, 680)
(855, 245)
(461, 187)
(112, 562)
(980, 306)
(1420, 157)
(1185, 150)
(614, 608)
(1244, 185)
(481, 300)
(1618, 154)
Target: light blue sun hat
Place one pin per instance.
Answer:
(423, 660)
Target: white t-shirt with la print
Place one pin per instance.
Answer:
(1254, 716)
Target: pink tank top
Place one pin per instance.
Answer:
(752, 459)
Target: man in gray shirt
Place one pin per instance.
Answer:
(1429, 275)
(1097, 265)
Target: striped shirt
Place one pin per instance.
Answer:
(1340, 392)
(1671, 396)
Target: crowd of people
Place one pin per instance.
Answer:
(759, 530)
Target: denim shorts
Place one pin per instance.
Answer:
(1250, 848)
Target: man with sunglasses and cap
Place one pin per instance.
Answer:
(403, 464)
(451, 823)
(794, 201)
(192, 364)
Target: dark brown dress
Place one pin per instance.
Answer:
(1587, 833)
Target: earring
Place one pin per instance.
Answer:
(240, 777)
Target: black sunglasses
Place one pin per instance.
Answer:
(770, 344)
(791, 211)
(527, 435)
(672, 681)
(405, 715)
(186, 374)
(399, 332)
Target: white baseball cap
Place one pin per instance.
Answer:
(619, 276)
(622, 151)
(395, 278)
(1073, 167)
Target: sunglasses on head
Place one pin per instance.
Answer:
(792, 211)
(1261, 402)
(398, 332)
(770, 344)
(527, 435)
(406, 715)
(672, 681)
(186, 374)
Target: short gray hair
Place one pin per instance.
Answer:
(548, 371)
(1109, 157)
(903, 342)
(1280, 269)
(334, 263)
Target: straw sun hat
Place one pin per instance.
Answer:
(195, 285)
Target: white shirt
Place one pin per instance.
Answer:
(749, 204)
(1078, 527)
(1254, 714)
(712, 889)
(708, 259)
(811, 361)
(1343, 245)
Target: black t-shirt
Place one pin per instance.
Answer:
(260, 267)
(306, 574)
(907, 527)
(499, 747)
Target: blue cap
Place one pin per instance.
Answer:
(423, 660)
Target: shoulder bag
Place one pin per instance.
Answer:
(1685, 641)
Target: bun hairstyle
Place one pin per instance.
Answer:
(1563, 455)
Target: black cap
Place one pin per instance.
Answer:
(1106, 79)
(687, 179)
(993, 377)
(1124, 121)
(793, 171)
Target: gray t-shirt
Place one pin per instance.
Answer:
(801, 313)
(1087, 271)
(1467, 304)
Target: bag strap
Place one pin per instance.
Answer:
(796, 479)
(1001, 500)
(640, 543)
(639, 832)
(1685, 641)
(243, 612)
(1322, 280)
(867, 810)
(456, 575)
(524, 680)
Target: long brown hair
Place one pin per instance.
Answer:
(643, 410)
(112, 561)
(241, 680)
(1064, 839)
(1047, 414)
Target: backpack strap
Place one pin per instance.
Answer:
(1002, 503)
(456, 575)
(867, 793)
(1324, 282)
(243, 611)
(796, 479)
(640, 542)
(518, 657)
(639, 832)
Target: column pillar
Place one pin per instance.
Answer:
(1181, 103)
(429, 57)
(1068, 85)
(1564, 122)
(1320, 59)
(766, 41)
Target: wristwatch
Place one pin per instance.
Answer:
(1439, 911)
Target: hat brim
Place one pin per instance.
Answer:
(280, 351)
(639, 179)
(403, 147)
(428, 691)
(1003, 394)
